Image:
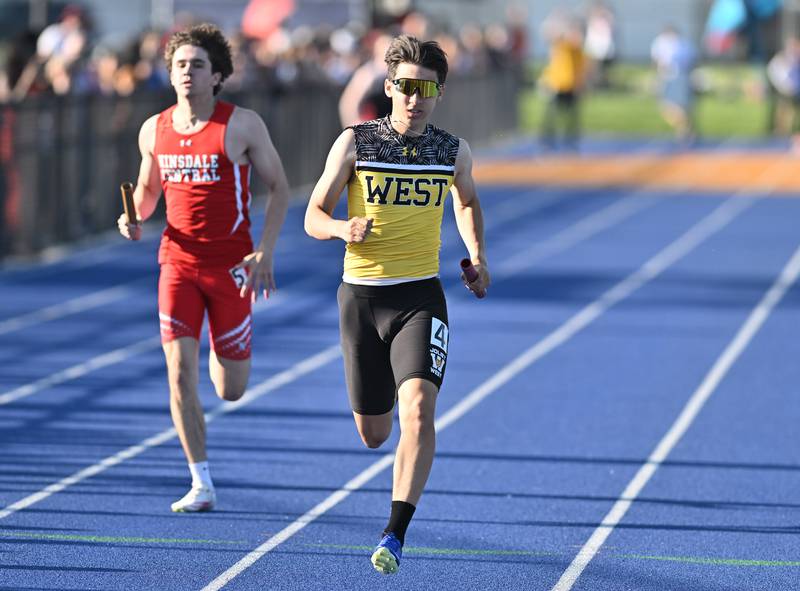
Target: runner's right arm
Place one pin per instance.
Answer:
(148, 186)
(319, 222)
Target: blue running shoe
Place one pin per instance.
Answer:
(386, 557)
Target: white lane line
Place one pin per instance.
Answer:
(632, 202)
(554, 244)
(88, 257)
(100, 248)
(88, 472)
(702, 230)
(287, 376)
(572, 235)
(523, 203)
(120, 355)
(73, 306)
(81, 369)
(512, 209)
(693, 407)
(123, 353)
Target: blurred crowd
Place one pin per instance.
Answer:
(69, 58)
(582, 46)
(581, 49)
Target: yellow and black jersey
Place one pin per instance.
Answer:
(401, 182)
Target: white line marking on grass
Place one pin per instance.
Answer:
(706, 227)
(717, 373)
(298, 370)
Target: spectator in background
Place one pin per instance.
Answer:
(10, 182)
(307, 55)
(66, 39)
(450, 46)
(343, 57)
(473, 51)
(17, 54)
(21, 66)
(674, 58)
(149, 68)
(56, 65)
(600, 42)
(282, 57)
(21, 57)
(416, 24)
(498, 46)
(516, 25)
(364, 97)
(58, 75)
(245, 69)
(562, 81)
(103, 67)
(783, 72)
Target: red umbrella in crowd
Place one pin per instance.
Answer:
(262, 17)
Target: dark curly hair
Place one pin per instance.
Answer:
(410, 50)
(209, 38)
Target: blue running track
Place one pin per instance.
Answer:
(620, 413)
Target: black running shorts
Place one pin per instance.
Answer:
(389, 334)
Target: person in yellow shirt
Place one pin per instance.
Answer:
(562, 81)
(398, 171)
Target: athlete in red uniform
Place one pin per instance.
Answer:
(200, 152)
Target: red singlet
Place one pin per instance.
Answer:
(207, 233)
(207, 195)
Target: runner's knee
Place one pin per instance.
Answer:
(416, 418)
(417, 408)
(373, 434)
(373, 440)
(181, 376)
(230, 377)
(229, 392)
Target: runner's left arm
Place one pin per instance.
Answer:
(267, 163)
(469, 216)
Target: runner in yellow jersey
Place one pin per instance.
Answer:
(393, 316)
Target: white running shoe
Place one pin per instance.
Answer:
(199, 498)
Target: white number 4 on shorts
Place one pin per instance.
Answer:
(439, 334)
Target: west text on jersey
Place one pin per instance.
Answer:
(399, 188)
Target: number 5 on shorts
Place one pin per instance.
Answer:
(239, 276)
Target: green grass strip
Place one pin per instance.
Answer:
(714, 561)
(447, 551)
(110, 539)
(471, 552)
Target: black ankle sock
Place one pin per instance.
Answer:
(399, 519)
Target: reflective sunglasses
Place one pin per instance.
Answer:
(425, 88)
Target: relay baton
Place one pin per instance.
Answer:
(471, 274)
(127, 202)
